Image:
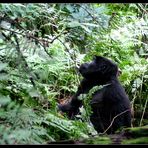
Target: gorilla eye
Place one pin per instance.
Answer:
(104, 66)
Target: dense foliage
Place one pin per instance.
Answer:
(41, 46)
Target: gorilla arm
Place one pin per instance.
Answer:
(72, 107)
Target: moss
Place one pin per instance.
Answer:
(137, 131)
(98, 140)
(141, 140)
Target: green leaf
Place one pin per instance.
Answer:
(4, 76)
(34, 93)
(74, 24)
(3, 66)
(86, 29)
(4, 100)
(101, 9)
(90, 24)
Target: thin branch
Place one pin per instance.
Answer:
(33, 37)
(64, 46)
(113, 121)
(88, 13)
(42, 42)
(143, 112)
(25, 35)
(141, 7)
(11, 21)
(12, 31)
(62, 32)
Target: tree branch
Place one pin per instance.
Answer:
(42, 42)
(25, 63)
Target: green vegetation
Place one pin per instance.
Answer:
(137, 131)
(141, 140)
(99, 140)
(40, 47)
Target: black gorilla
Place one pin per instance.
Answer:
(106, 103)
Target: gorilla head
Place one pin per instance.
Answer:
(101, 68)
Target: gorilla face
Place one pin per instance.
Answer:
(100, 67)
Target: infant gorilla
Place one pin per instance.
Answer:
(106, 103)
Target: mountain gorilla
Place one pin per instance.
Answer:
(110, 105)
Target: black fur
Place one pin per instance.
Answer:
(107, 102)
